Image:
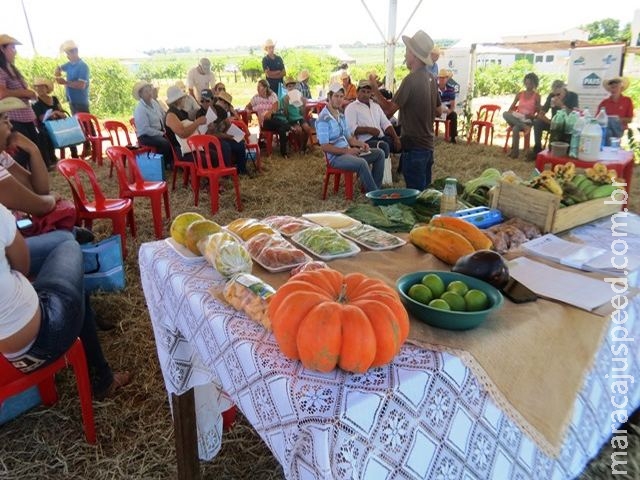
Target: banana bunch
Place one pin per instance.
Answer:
(546, 181)
(600, 174)
(590, 188)
(564, 173)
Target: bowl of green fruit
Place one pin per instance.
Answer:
(448, 300)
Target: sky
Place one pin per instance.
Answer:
(124, 28)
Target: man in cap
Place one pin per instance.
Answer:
(559, 98)
(200, 78)
(368, 123)
(273, 66)
(418, 101)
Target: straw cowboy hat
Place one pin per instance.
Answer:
(624, 81)
(420, 45)
(363, 84)
(225, 97)
(174, 94)
(68, 45)
(44, 81)
(289, 80)
(436, 50)
(139, 86)
(445, 72)
(8, 40)
(303, 75)
(269, 43)
(9, 104)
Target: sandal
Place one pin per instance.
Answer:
(120, 379)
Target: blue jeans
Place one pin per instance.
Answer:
(416, 167)
(371, 179)
(234, 150)
(60, 289)
(40, 246)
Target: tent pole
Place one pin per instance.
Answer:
(391, 45)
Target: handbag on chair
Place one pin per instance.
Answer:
(62, 217)
(65, 132)
(151, 166)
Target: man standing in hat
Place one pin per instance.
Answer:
(559, 98)
(418, 101)
(368, 123)
(435, 55)
(77, 82)
(273, 66)
(200, 78)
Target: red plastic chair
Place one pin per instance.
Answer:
(119, 136)
(200, 145)
(13, 381)
(447, 127)
(526, 134)
(188, 170)
(118, 210)
(253, 149)
(484, 120)
(265, 136)
(133, 185)
(337, 174)
(93, 132)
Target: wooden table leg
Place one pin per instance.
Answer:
(184, 426)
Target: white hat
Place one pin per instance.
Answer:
(68, 45)
(139, 86)
(9, 104)
(303, 75)
(269, 43)
(174, 94)
(420, 45)
(43, 81)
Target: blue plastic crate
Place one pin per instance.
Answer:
(18, 404)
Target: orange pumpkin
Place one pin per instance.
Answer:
(326, 319)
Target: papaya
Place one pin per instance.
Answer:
(444, 244)
(468, 230)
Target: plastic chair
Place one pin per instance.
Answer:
(484, 120)
(447, 127)
(337, 174)
(119, 136)
(133, 185)
(200, 147)
(118, 210)
(13, 381)
(252, 149)
(526, 134)
(92, 131)
(132, 122)
(188, 170)
(266, 136)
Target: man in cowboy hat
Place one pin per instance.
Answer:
(418, 101)
(273, 66)
(200, 78)
(435, 55)
(76, 84)
(448, 90)
(619, 107)
(303, 84)
(149, 120)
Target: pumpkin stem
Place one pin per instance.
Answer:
(342, 298)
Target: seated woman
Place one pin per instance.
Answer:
(293, 106)
(265, 104)
(619, 107)
(448, 90)
(233, 152)
(347, 152)
(48, 103)
(149, 120)
(177, 123)
(40, 322)
(523, 110)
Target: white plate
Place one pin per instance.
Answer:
(331, 219)
(183, 251)
(386, 240)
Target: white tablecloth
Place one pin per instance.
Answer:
(422, 417)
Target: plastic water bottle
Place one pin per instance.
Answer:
(449, 199)
(575, 136)
(590, 140)
(603, 121)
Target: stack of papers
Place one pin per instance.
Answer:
(580, 256)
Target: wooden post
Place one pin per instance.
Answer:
(184, 427)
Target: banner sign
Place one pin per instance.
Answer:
(458, 60)
(588, 69)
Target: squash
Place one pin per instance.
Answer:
(444, 244)
(468, 230)
(326, 319)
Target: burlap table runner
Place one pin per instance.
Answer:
(532, 357)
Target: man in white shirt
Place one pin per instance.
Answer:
(368, 123)
(200, 78)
